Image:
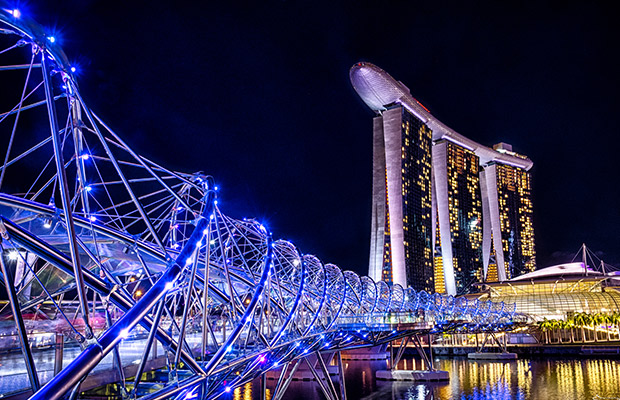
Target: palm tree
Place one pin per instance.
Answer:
(568, 325)
(578, 318)
(545, 325)
(581, 321)
(606, 320)
(589, 321)
(598, 319)
(556, 325)
(615, 321)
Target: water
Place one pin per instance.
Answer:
(527, 379)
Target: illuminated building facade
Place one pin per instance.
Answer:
(508, 214)
(401, 214)
(480, 226)
(558, 292)
(457, 204)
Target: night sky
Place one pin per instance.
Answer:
(258, 95)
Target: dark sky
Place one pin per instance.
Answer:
(258, 95)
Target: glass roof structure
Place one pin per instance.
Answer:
(557, 299)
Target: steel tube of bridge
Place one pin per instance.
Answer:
(186, 384)
(117, 167)
(58, 353)
(19, 323)
(92, 355)
(293, 308)
(64, 194)
(205, 297)
(139, 159)
(47, 252)
(188, 296)
(117, 362)
(147, 347)
(248, 312)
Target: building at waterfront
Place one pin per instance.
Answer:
(401, 213)
(558, 292)
(447, 211)
(458, 209)
(507, 210)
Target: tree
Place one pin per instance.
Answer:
(615, 321)
(568, 325)
(545, 325)
(581, 320)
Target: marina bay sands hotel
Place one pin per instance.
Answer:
(447, 211)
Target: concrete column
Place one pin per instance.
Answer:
(440, 170)
(377, 230)
(486, 224)
(496, 228)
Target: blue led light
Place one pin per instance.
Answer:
(15, 13)
(51, 39)
(192, 394)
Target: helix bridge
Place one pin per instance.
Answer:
(103, 247)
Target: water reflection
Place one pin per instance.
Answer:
(516, 380)
(243, 392)
(469, 380)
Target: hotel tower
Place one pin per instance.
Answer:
(446, 211)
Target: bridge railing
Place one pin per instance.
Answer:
(384, 319)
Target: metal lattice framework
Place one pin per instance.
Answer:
(103, 246)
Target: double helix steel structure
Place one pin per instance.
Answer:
(102, 247)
